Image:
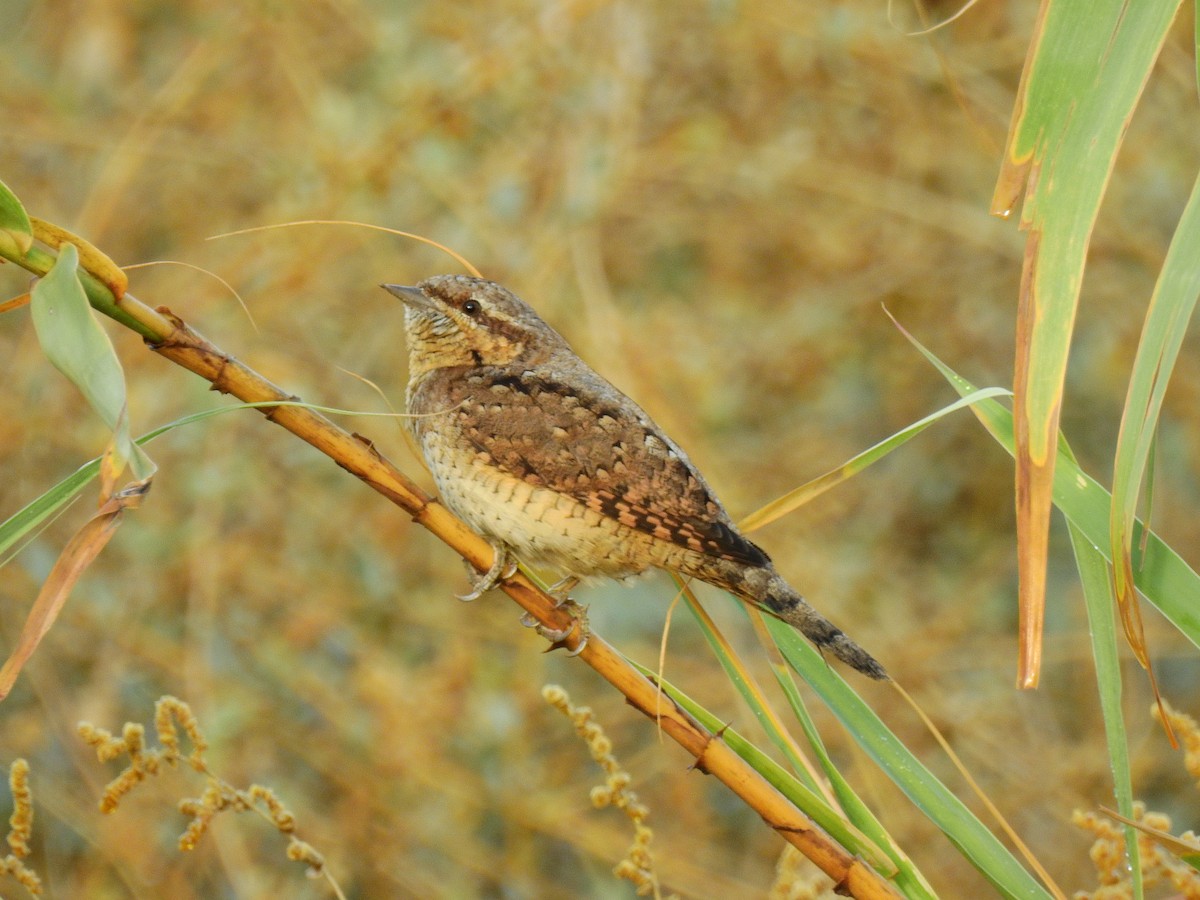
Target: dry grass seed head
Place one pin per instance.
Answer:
(1159, 865)
(638, 865)
(132, 743)
(280, 814)
(22, 874)
(20, 823)
(1188, 732)
(218, 795)
(1108, 849)
(202, 810)
(299, 851)
(167, 711)
(107, 746)
(20, 829)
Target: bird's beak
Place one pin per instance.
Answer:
(413, 296)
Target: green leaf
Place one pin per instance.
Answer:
(868, 838)
(799, 794)
(16, 234)
(1171, 307)
(1086, 70)
(1098, 596)
(1089, 64)
(1161, 574)
(78, 347)
(908, 877)
(973, 839)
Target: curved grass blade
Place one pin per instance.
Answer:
(741, 678)
(803, 797)
(28, 518)
(872, 841)
(1162, 576)
(972, 838)
(1171, 307)
(796, 498)
(908, 877)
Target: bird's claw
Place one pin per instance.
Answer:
(558, 636)
(503, 566)
(561, 590)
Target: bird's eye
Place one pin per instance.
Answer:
(471, 307)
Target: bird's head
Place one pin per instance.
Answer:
(460, 321)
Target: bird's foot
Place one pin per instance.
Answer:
(503, 566)
(558, 636)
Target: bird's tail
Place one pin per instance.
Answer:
(764, 588)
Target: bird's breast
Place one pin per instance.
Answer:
(543, 527)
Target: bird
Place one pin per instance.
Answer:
(552, 464)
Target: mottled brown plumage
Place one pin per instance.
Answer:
(535, 450)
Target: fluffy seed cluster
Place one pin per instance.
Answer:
(20, 826)
(638, 865)
(1159, 865)
(170, 717)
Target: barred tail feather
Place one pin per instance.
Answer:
(769, 592)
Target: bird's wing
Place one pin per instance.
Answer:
(603, 451)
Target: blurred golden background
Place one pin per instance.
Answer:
(713, 202)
